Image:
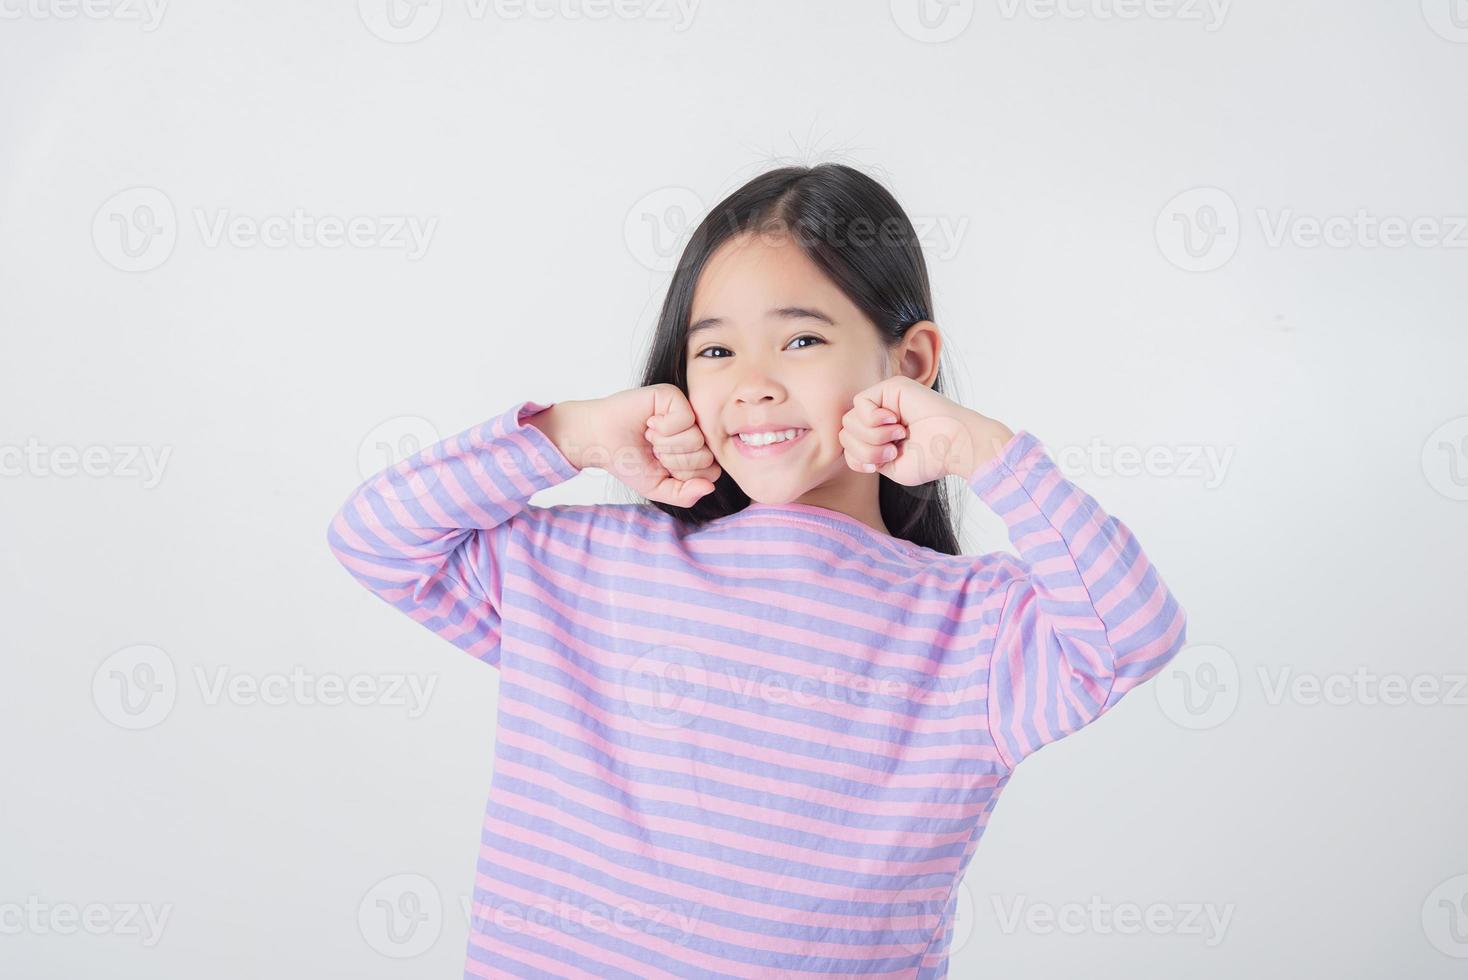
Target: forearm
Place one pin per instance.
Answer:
(568, 425)
(976, 440)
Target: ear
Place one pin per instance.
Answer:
(916, 354)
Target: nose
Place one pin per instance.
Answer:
(758, 387)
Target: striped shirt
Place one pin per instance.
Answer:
(767, 746)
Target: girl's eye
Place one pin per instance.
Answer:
(713, 347)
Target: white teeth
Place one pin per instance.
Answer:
(766, 438)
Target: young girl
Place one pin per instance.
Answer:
(755, 727)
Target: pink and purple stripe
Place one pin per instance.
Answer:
(768, 745)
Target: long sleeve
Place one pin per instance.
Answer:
(428, 533)
(1085, 619)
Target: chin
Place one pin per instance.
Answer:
(767, 494)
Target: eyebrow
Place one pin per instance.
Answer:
(782, 312)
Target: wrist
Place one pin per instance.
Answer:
(980, 439)
(564, 424)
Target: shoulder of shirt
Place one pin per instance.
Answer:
(648, 518)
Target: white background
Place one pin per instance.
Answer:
(557, 159)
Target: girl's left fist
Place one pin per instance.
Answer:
(912, 435)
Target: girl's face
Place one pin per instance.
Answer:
(775, 345)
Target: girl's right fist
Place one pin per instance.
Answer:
(650, 440)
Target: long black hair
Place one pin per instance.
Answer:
(859, 236)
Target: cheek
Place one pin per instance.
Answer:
(703, 409)
(706, 418)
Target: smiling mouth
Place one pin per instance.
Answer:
(771, 437)
(765, 445)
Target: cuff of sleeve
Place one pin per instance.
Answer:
(543, 463)
(1019, 457)
(547, 450)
